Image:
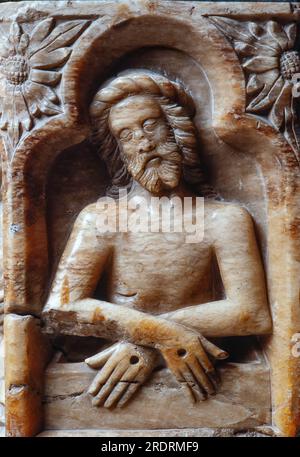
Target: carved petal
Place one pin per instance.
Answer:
(253, 49)
(291, 33)
(40, 99)
(256, 30)
(289, 131)
(21, 110)
(254, 84)
(67, 36)
(49, 108)
(45, 77)
(268, 99)
(54, 59)
(276, 115)
(15, 117)
(250, 32)
(233, 29)
(277, 33)
(259, 64)
(63, 35)
(15, 33)
(7, 108)
(244, 49)
(5, 48)
(258, 81)
(39, 33)
(262, 37)
(24, 41)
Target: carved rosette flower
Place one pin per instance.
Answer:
(267, 55)
(30, 65)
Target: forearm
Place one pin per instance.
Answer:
(90, 317)
(223, 318)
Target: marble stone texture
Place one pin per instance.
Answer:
(51, 173)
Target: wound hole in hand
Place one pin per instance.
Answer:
(181, 352)
(134, 360)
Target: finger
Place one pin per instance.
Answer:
(103, 375)
(190, 381)
(132, 372)
(204, 360)
(213, 376)
(201, 377)
(135, 378)
(129, 376)
(116, 393)
(132, 388)
(213, 349)
(186, 383)
(97, 360)
(110, 384)
(209, 369)
(189, 392)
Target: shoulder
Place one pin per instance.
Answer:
(87, 216)
(230, 210)
(227, 217)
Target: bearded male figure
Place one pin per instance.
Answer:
(160, 296)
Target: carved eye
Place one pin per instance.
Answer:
(125, 135)
(149, 125)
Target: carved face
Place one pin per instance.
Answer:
(147, 143)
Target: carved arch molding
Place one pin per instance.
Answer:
(239, 62)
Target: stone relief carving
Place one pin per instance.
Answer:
(270, 60)
(160, 313)
(31, 64)
(159, 299)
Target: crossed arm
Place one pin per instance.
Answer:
(177, 335)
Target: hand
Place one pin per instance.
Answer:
(125, 368)
(187, 359)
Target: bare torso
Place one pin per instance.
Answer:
(161, 272)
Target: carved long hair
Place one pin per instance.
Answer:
(178, 109)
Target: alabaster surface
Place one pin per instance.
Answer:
(109, 108)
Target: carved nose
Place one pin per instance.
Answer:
(145, 145)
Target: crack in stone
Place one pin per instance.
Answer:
(50, 399)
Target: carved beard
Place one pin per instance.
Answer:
(166, 175)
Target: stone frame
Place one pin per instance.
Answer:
(25, 167)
